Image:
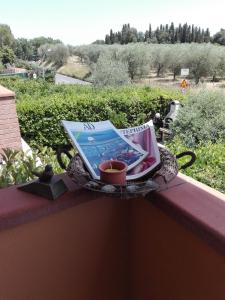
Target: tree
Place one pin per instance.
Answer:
(207, 36)
(44, 52)
(163, 34)
(58, 54)
(199, 60)
(176, 58)
(23, 49)
(219, 37)
(7, 55)
(172, 33)
(137, 60)
(110, 72)
(37, 42)
(160, 58)
(107, 39)
(217, 62)
(6, 36)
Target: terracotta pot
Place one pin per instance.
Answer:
(113, 171)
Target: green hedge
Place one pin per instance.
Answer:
(209, 167)
(40, 116)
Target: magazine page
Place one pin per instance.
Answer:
(144, 137)
(100, 141)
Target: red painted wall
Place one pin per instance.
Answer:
(169, 262)
(104, 248)
(79, 253)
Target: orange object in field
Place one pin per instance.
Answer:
(184, 84)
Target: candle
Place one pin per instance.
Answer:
(111, 170)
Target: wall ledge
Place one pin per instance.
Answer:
(202, 186)
(5, 93)
(195, 206)
(18, 207)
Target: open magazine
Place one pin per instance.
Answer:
(100, 141)
(144, 137)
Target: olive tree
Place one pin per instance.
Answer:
(58, 54)
(137, 59)
(109, 71)
(177, 55)
(160, 55)
(217, 62)
(199, 60)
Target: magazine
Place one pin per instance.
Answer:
(144, 137)
(100, 141)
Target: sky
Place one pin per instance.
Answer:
(82, 22)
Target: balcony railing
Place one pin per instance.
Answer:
(85, 246)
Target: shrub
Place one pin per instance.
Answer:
(202, 119)
(18, 166)
(40, 117)
(210, 163)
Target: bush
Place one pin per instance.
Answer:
(210, 163)
(202, 119)
(40, 117)
(18, 166)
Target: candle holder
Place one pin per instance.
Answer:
(113, 172)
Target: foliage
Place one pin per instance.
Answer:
(27, 49)
(109, 71)
(219, 37)
(201, 60)
(41, 106)
(142, 58)
(137, 60)
(57, 54)
(209, 167)
(18, 166)
(160, 58)
(7, 55)
(24, 49)
(202, 119)
(89, 53)
(24, 64)
(6, 36)
(164, 34)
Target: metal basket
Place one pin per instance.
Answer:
(165, 173)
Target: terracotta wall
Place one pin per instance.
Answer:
(79, 253)
(9, 127)
(105, 249)
(169, 262)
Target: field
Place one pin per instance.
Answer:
(75, 68)
(167, 81)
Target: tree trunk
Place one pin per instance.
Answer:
(197, 80)
(214, 79)
(174, 76)
(158, 70)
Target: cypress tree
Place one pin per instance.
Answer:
(146, 39)
(172, 33)
(107, 39)
(150, 31)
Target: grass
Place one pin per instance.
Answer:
(75, 68)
